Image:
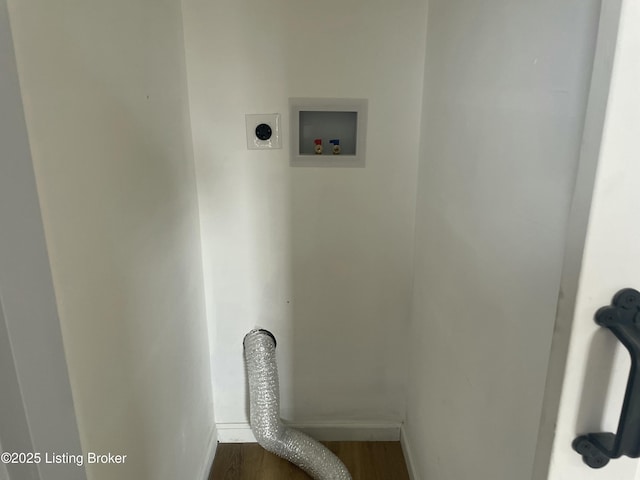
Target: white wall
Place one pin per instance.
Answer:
(505, 95)
(104, 91)
(322, 257)
(36, 406)
(13, 421)
(4, 475)
(597, 366)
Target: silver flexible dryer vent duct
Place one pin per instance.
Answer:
(311, 456)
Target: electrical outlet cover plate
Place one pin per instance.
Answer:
(271, 119)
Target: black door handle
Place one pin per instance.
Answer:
(623, 319)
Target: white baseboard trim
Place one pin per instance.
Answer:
(235, 433)
(210, 453)
(408, 455)
(325, 432)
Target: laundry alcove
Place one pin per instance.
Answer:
(413, 297)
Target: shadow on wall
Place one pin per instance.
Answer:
(120, 212)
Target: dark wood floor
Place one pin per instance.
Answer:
(365, 461)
